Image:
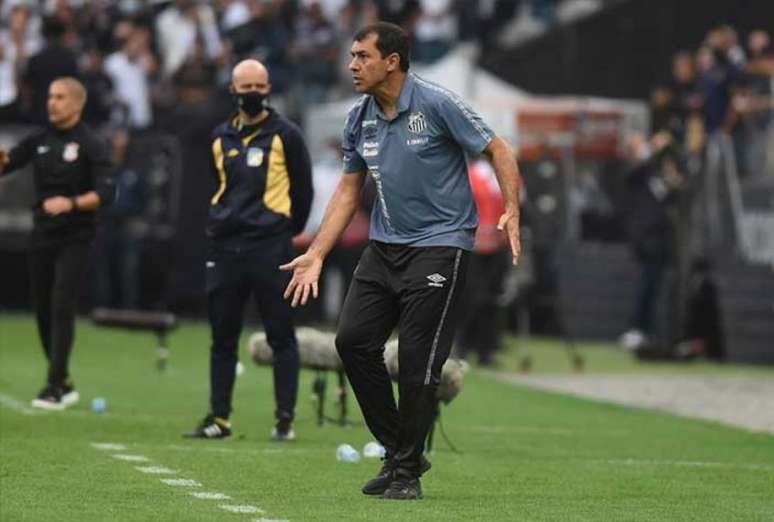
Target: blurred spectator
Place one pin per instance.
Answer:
(686, 96)
(399, 12)
(315, 55)
(482, 21)
(755, 109)
(544, 11)
(481, 328)
(119, 236)
(194, 81)
(653, 184)
(179, 27)
(233, 14)
(54, 61)
(435, 30)
(99, 104)
(265, 38)
(130, 68)
(17, 43)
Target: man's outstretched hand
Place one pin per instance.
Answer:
(306, 273)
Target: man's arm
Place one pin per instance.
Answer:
(18, 157)
(86, 202)
(300, 173)
(307, 267)
(104, 189)
(507, 171)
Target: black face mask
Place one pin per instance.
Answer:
(252, 103)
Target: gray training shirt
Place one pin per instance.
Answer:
(417, 162)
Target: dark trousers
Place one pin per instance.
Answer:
(652, 270)
(417, 290)
(56, 273)
(231, 278)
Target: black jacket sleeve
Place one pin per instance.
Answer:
(21, 154)
(101, 170)
(300, 172)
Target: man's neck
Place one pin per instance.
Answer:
(67, 125)
(388, 93)
(246, 121)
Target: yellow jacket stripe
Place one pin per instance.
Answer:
(277, 195)
(217, 154)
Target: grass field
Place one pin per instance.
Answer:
(524, 455)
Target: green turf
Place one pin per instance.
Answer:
(525, 455)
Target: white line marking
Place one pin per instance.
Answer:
(685, 463)
(183, 483)
(131, 458)
(272, 520)
(108, 446)
(241, 508)
(267, 451)
(16, 405)
(208, 495)
(155, 470)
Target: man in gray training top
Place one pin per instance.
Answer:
(411, 136)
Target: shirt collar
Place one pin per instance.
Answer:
(404, 99)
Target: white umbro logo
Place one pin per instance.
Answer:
(210, 264)
(42, 149)
(436, 280)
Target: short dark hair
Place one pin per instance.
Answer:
(389, 39)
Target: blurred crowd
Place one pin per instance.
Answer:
(723, 86)
(716, 112)
(138, 58)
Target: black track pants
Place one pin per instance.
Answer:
(56, 273)
(416, 289)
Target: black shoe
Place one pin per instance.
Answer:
(403, 488)
(211, 427)
(49, 398)
(381, 482)
(283, 431)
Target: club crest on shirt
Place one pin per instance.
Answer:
(70, 152)
(416, 122)
(254, 156)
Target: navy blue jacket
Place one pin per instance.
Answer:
(264, 182)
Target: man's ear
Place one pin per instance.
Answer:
(393, 62)
(231, 89)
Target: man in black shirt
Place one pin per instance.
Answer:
(72, 180)
(262, 198)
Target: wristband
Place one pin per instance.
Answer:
(74, 201)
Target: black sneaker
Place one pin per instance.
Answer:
(403, 488)
(381, 482)
(211, 427)
(49, 398)
(283, 431)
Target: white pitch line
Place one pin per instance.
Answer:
(208, 495)
(271, 520)
(155, 470)
(16, 405)
(687, 463)
(131, 458)
(241, 508)
(108, 446)
(182, 483)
